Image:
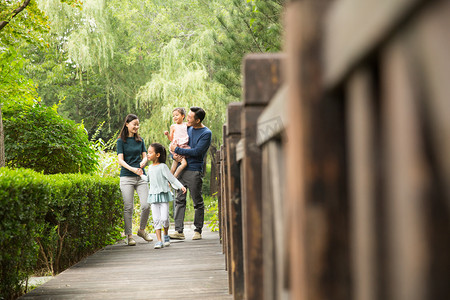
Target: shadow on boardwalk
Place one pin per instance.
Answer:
(184, 270)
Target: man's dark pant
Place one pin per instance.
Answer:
(193, 181)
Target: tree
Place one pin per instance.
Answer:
(246, 27)
(27, 28)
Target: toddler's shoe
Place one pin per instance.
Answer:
(159, 245)
(166, 241)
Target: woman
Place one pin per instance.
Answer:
(133, 158)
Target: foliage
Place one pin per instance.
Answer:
(246, 27)
(14, 87)
(52, 221)
(37, 137)
(85, 214)
(114, 57)
(213, 211)
(108, 164)
(22, 198)
(183, 81)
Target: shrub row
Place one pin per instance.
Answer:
(52, 221)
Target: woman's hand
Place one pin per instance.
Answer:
(183, 189)
(138, 171)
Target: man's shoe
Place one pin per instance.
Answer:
(197, 236)
(177, 235)
(159, 245)
(166, 241)
(144, 235)
(131, 242)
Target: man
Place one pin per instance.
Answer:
(192, 176)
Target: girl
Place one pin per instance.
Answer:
(159, 195)
(179, 137)
(133, 158)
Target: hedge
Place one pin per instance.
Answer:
(52, 222)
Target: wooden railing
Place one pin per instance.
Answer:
(334, 169)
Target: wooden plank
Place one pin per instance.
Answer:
(226, 208)
(361, 127)
(406, 177)
(269, 263)
(219, 193)
(273, 120)
(295, 150)
(348, 42)
(240, 150)
(252, 206)
(222, 207)
(234, 191)
(432, 48)
(316, 171)
(274, 225)
(262, 78)
(184, 270)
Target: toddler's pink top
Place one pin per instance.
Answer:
(180, 134)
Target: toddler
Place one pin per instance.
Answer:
(178, 135)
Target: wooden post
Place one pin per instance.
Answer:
(222, 200)
(271, 139)
(262, 78)
(226, 205)
(219, 193)
(362, 163)
(316, 169)
(234, 212)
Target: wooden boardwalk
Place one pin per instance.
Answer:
(184, 270)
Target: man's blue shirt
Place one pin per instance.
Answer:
(199, 141)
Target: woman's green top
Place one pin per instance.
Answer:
(132, 154)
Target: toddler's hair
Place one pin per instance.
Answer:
(181, 110)
(161, 150)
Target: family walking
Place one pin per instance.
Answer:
(189, 143)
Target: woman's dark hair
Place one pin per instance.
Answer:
(161, 150)
(181, 110)
(199, 113)
(124, 131)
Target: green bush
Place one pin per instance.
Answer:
(38, 138)
(23, 195)
(53, 221)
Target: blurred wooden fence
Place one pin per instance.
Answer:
(335, 168)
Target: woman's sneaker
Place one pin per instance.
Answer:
(144, 235)
(131, 242)
(166, 241)
(159, 245)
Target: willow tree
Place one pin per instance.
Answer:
(86, 39)
(182, 81)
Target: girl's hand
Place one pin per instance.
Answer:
(183, 189)
(166, 132)
(138, 171)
